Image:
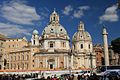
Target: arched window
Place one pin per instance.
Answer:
(34, 42)
(22, 57)
(14, 66)
(81, 46)
(89, 46)
(11, 66)
(27, 65)
(54, 18)
(22, 65)
(18, 66)
(63, 44)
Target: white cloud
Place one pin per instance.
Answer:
(13, 30)
(80, 12)
(19, 13)
(84, 7)
(110, 14)
(67, 10)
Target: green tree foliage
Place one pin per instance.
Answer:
(116, 45)
(119, 4)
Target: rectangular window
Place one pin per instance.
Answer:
(51, 44)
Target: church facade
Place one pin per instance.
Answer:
(51, 50)
(55, 51)
(54, 45)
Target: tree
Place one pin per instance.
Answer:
(116, 45)
(119, 4)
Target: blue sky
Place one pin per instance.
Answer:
(19, 18)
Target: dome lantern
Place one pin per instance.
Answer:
(54, 17)
(81, 34)
(81, 26)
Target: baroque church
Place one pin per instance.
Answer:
(54, 47)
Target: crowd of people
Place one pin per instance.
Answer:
(17, 76)
(54, 77)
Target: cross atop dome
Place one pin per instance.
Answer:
(54, 17)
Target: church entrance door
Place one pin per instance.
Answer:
(51, 66)
(51, 63)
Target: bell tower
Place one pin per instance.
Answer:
(35, 38)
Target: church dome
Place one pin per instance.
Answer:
(35, 32)
(54, 27)
(81, 34)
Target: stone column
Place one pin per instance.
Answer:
(55, 65)
(64, 61)
(72, 61)
(67, 62)
(58, 62)
(46, 62)
(105, 47)
(94, 62)
(38, 63)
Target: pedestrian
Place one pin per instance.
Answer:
(78, 77)
(82, 77)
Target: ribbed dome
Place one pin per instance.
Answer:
(81, 34)
(55, 28)
(35, 32)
